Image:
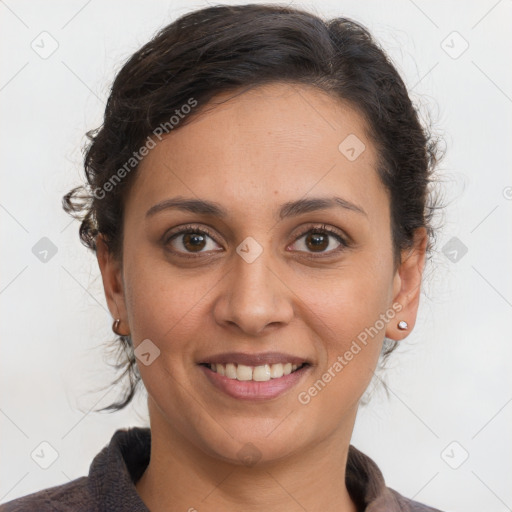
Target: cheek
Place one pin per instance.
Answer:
(351, 297)
(166, 307)
(163, 303)
(348, 353)
(346, 310)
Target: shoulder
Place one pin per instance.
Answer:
(408, 505)
(108, 486)
(366, 485)
(73, 496)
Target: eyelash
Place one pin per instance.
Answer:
(321, 229)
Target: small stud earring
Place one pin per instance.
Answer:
(403, 325)
(115, 328)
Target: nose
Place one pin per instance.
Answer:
(253, 299)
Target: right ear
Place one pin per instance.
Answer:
(111, 273)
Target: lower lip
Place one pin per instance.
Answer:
(253, 390)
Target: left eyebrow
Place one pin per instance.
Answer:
(301, 206)
(289, 209)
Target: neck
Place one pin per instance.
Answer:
(181, 477)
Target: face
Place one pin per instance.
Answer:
(261, 276)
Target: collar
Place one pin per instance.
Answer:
(115, 470)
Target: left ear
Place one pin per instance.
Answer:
(407, 285)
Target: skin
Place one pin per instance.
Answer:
(270, 145)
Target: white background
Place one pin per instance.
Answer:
(450, 380)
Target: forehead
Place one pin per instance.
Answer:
(248, 148)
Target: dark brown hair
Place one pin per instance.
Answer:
(235, 48)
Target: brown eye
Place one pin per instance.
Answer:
(320, 240)
(317, 241)
(191, 241)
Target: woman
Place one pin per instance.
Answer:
(259, 202)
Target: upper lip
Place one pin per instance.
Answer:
(254, 359)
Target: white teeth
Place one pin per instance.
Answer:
(230, 371)
(243, 372)
(276, 371)
(261, 373)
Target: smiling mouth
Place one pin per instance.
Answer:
(262, 373)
